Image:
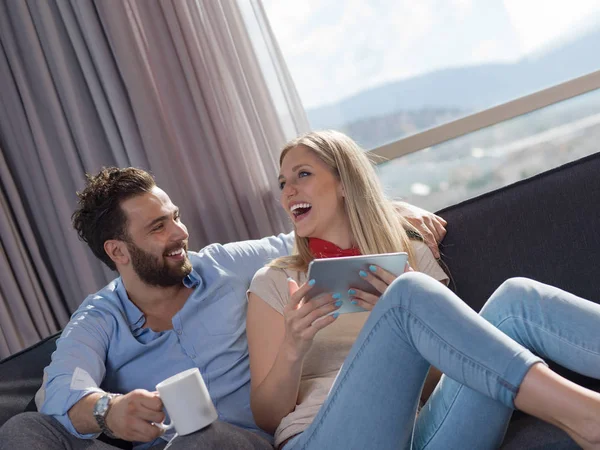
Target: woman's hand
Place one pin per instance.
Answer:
(304, 318)
(380, 279)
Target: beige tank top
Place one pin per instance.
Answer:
(330, 346)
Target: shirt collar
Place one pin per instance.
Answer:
(135, 317)
(192, 280)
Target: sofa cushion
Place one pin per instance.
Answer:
(21, 376)
(529, 433)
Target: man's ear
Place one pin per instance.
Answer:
(117, 251)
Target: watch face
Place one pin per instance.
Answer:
(101, 405)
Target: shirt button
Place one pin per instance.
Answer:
(179, 332)
(192, 356)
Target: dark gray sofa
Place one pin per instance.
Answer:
(545, 228)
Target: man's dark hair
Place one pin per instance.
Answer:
(99, 217)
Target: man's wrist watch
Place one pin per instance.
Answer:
(101, 408)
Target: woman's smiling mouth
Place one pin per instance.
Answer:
(300, 211)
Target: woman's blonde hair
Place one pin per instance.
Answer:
(374, 223)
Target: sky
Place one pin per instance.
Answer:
(336, 48)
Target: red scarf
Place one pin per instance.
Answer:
(325, 249)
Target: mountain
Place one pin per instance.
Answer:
(466, 88)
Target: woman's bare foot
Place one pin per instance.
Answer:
(573, 408)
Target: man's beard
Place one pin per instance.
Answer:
(155, 272)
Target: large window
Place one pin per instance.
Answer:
(382, 70)
(497, 155)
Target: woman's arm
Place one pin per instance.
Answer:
(278, 345)
(275, 371)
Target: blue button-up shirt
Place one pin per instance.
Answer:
(104, 347)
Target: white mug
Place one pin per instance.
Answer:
(187, 401)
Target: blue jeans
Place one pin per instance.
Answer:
(419, 322)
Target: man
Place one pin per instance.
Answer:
(170, 310)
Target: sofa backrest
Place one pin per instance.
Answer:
(546, 228)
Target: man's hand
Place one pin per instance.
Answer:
(431, 227)
(130, 416)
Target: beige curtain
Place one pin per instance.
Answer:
(172, 86)
(30, 305)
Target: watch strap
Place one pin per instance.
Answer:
(101, 418)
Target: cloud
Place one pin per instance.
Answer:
(538, 22)
(462, 7)
(335, 51)
(491, 50)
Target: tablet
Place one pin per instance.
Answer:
(333, 275)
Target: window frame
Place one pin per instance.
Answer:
(488, 117)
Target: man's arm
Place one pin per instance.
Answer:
(431, 226)
(82, 417)
(76, 370)
(250, 256)
(72, 382)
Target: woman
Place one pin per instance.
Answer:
(332, 195)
